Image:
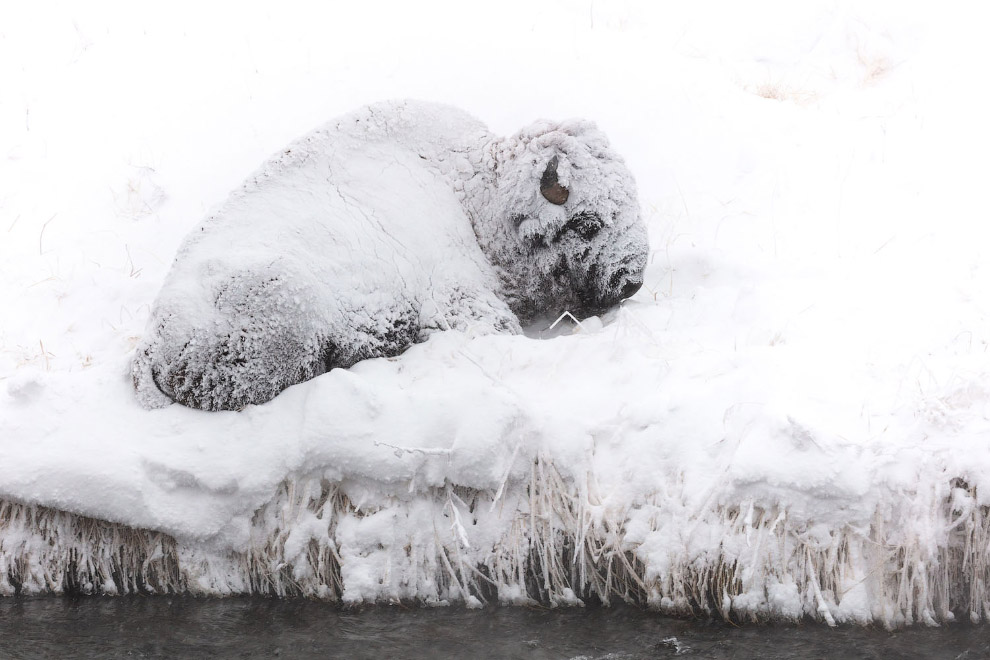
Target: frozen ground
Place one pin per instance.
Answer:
(791, 418)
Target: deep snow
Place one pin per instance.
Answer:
(791, 418)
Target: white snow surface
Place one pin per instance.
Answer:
(811, 339)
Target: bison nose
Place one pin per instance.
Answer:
(630, 288)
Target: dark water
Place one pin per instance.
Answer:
(135, 627)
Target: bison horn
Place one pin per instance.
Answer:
(549, 187)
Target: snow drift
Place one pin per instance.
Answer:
(789, 420)
(448, 475)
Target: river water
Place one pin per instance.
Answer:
(184, 627)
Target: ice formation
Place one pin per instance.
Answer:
(357, 240)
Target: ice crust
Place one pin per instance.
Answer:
(791, 419)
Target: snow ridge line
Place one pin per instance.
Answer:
(545, 540)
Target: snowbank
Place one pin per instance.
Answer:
(791, 418)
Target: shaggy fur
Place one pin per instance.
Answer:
(372, 232)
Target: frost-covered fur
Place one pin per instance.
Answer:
(583, 256)
(373, 231)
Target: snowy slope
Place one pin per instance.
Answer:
(791, 418)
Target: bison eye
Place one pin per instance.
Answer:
(550, 187)
(586, 225)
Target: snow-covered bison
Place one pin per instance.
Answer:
(395, 221)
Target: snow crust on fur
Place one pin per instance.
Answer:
(359, 239)
(326, 256)
(529, 239)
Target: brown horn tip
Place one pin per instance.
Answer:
(551, 189)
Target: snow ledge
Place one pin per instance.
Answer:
(545, 539)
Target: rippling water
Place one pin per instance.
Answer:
(182, 627)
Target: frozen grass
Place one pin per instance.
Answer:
(551, 549)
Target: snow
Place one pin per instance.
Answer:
(790, 419)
